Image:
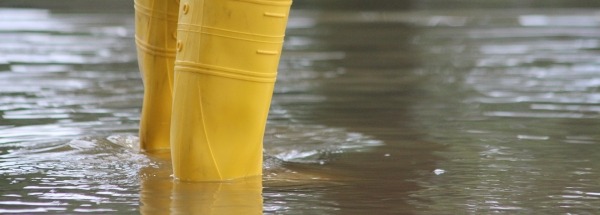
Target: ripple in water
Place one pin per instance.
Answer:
(86, 174)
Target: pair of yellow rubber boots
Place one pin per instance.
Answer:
(209, 68)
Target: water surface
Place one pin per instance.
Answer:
(411, 108)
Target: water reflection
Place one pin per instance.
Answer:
(159, 194)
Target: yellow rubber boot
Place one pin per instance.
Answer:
(227, 57)
(155, 35)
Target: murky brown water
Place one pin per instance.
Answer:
(401, 108)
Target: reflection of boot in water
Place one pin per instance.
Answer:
(159, 194)
(233, 197)
(227, 57)
(155, 34)
(155, 190)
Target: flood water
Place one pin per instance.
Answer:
(402, 107)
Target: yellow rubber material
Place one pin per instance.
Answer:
(155, 36)
(226, 65)
(208, 68)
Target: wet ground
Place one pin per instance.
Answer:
(413, 107)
